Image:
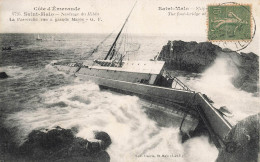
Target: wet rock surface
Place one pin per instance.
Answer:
(7, 146)
(3, 75)
(105, 139)
(189, 56)
(197, 57)
(242, 141)
(61, 145)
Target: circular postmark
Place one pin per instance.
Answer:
(231, 25)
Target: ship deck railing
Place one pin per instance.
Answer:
(178, 82)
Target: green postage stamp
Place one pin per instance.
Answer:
(229, 22)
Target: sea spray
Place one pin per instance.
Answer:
(69, 102)
(216, 83)
(134, 136)
(198, 150)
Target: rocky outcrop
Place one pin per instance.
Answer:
(61, 144)
(242, 142)
(248, 76)
(3, 75)
(197, 57)
(189, 56)
(7, 144)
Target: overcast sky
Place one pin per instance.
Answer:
(146, 17)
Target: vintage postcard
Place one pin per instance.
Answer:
(129, 80)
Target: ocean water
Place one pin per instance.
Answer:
(37, 96)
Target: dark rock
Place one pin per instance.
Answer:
(242, 142)
(197, 57)
(105, 138)
(189, 56)
(3, 75)
(7, 144)
(248, 76)
(59, 143)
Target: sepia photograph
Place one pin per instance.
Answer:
(129, 81)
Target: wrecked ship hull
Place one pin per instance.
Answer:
(186, 106)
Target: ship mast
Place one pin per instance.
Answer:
(112, 48)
